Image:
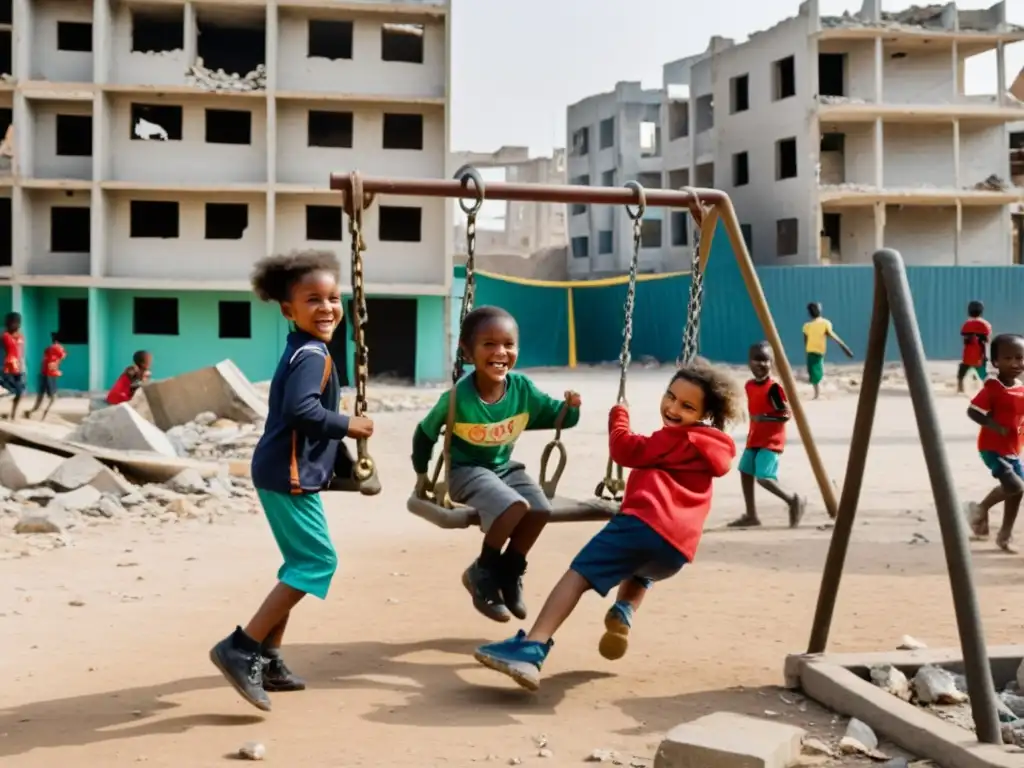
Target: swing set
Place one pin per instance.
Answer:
(706, 206)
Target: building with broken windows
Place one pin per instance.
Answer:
(159, 149)
(837, 135)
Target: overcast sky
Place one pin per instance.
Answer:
(517, 64)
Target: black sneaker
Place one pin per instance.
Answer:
(239, 659)
(278, 678)
(510, 581)
(481, 584)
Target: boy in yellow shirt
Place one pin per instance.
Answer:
(817, 332)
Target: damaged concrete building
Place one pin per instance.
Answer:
(161, 148)
(837, 135)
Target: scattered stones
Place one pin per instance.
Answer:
(935, 685)
(908, 643)
(39, 521)
(891, 680)
(859, 739)
(22, 467)
(187, 481)
(83, 498)
(252, 750)
(602, 756)
(200, 76)
(817, 747)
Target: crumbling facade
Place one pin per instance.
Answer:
(837, 135)
(158, 150)
(528, 227)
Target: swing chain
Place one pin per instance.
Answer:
(691, 331)
(364, 464)
(468, 175)
(614, 482)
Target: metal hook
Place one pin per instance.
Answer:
(466, 174)
(641, 200)
(697, 209)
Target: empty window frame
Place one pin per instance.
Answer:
(680, 235)
(833, 142)
(329, 129)
(6, 233)
(74, 136)
(402, 131)
(226, 221)
(580, 247)
(581, 142)
(154, 316)
(785, 159)
(228, 126)
(608, 178)
(154, 219)
(400, 224)
(748, 237)
(162, 122)
(155, 32)
(650, 233)
(832, 74)
(74, 36)
(69, 229)
(324, 222)
(73, 321)
(330, 39)
(606, 133)
(6, 12)
(787, 237)
(740, 94)
(606, 241)
(402, 42)
(784, 78)
(578, 209)
(234, 320)
(740, 169)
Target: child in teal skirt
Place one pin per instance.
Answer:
(293, 461)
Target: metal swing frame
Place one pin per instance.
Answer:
(706, 206)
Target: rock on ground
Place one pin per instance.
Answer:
(935, 685)
(119, 427)
(22, 467)
(891, 680)
(83, 469)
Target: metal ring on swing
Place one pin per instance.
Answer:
(641, 200)
(550, 486)
(466, 174)
(364, 465)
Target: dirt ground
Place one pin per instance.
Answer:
(105, 641)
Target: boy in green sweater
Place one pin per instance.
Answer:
(493, 406)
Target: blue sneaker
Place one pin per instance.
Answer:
(519, 658)
(617, 623)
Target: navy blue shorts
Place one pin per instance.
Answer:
(48, 385)
(13, 383)
(626, 548)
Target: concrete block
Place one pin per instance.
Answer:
(221, 389)
(22, 467)
(728, 740)
(121, 428)
(85, 497)
(82, 469)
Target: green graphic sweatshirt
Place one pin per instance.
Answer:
(485, 433)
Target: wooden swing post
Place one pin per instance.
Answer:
(707, 206)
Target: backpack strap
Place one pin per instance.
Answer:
(320, 349)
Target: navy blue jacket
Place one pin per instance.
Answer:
(299, 445)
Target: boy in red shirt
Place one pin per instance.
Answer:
(12, 378)
(766, 438)
(134, 376)
(52, 357)
(656, 533)
(975, 332)
(999, 410)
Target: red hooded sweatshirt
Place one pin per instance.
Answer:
(670, 485)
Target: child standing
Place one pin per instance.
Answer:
(999, 410)
(493, 406)
(13, 376)
(133, 377)
(975, 332)
(817, 332)
(766, 439)
(667, 500)
(293, 461)
(52, 357)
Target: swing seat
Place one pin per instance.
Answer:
(565, 511)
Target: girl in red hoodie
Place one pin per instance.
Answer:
(667, 500)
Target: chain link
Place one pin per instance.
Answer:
(469, 291)
(625, 356)
(360, 315)
(691, 331)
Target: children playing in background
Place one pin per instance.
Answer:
(493, 406)
(999, 410)
(293, 461)
(133, 377)
(667, 500)
(975, 332)
(766, 439)
(817, 332)
(12, 378)
(49, 376)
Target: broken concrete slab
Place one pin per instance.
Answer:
(121, 428)
(221, 389)
(82, 469)
(728, 740)
(22, 467)
(77, 500)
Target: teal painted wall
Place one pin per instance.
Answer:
(431, 338)
(39, 319)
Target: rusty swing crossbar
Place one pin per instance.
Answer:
(718, 206)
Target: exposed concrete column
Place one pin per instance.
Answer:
(21, 114)
(271, 121)
(879, 71)
(955, 55)
(98, 339)
(1001, 73)
(102, 50)
(879, 225)
(273, 23)
(958, 237)
(956, 153)
(21, 230)
(98, 245)
(191, 34)
(879, 153)
(22, 26)
(100, 137)
(17, 298)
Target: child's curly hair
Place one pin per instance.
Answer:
(274, 277)
(722, 402)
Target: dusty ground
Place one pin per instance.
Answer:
(105, 641)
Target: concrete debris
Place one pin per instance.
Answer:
(200, 76)
(252, 750)
(908, 643)
(840, 100)
(712, 741)
(891, 680)
(83, 469)
(39, 521)
(859, 739)
(22, 467)
(78, 500)
(221, 390)
(993, 183)
(120, 427)
(935, 685)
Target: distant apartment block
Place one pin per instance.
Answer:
(160, 149)
(837, 135)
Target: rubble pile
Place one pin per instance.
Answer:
(210, 437)
(199, 76)
(993, 183)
